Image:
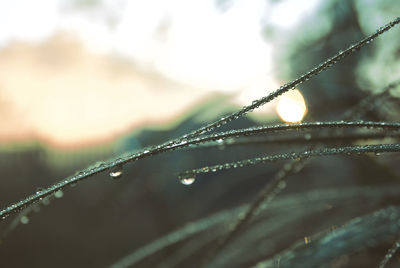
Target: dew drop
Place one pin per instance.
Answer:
(287, 167)
(116, 172)
(24, 220)
(46, 201)
(282, 185)
(187, 179)
(377, 154)
(307, 136)
(59, 194)
(39, 190)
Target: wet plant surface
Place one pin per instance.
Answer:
(313, 194)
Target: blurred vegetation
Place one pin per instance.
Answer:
(101, 221)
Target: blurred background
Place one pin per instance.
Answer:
(84, 81)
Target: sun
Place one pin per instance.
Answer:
(291, 107)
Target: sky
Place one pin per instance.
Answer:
(58, 61)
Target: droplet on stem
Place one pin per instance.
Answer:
(59, 194)
(46, 201)
(187, 179)
(24, 220)
(39, 190)
(116, 172)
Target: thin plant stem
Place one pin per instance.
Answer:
(305, 139)
(346, 150)
(390, 254)
(370, 102)
(361, 231)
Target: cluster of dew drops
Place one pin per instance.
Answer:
(24, 219)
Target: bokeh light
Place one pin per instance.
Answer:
(291, 106)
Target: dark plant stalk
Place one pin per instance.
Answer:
(367, 230)
(287, 202)
(297, 127)
(370, 102)
(390, 254)
(306, 139)
(347, 150)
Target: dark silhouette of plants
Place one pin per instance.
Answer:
(317, 136)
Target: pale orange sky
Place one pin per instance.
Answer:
(59, 92)
(61, 81)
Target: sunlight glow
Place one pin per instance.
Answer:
(291, 107)
(78, 71)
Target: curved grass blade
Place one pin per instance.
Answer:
(306, 139)
(390, 254)
(326, 246)
(347, 150)
(288, 202)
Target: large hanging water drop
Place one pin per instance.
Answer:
(116, 172)
(187, 179)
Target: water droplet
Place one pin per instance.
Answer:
(24, 220)
(377, 154)
(146, 151)
(46, 201)
(187, 179)
(39, 190)
(281, 184)
(280, 174)
(307, 136)
(220, 141)
(287, 167)
(59, 194)
(116, 172)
